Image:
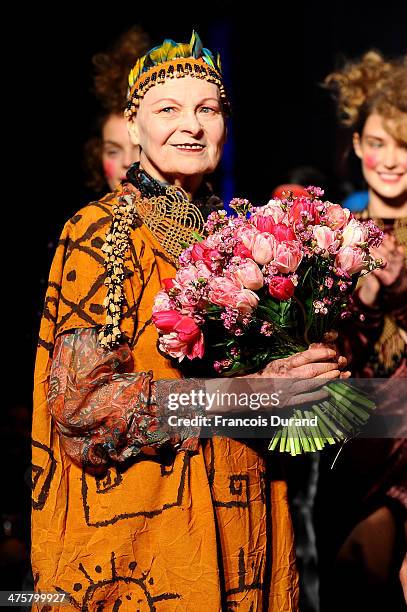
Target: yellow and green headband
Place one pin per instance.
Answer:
(173, 60)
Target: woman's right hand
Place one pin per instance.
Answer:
(318, 361)
(311, 369)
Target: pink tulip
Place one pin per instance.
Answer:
(336, 217)
(303, 210)
(166, 320)
(354, 233)
(263, 248)
(241, 251)
(247, 235)
(182, 336)
(350, 259)
(201, 252)
(246, 300)
(168, 283)
(249, 274)
(223, 290)
(176, 347)
(281, 287)
(271, 210)
(263, 223)
(171, 345)
(325, 238)
(230, 292)
(288, 257)
(282, 232)
(202, 270)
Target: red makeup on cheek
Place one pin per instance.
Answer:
(370, 161)
(109, 168)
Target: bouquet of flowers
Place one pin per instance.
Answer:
(263, 285)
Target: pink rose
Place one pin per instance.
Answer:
(325, 238)
(354, 233)
(281, 288)
(350, 259)
(249, 274)
(263, 248)
(287, 257)
(303, 210)
(282, 232)
(336, 216)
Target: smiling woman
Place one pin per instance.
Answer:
(181, 130)
(370, 476)
(127, 513)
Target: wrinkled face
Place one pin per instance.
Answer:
(181, 129)
(384, 159)
(118, 151)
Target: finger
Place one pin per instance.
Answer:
(311, 370)
(311, 355)
(330, 375)
(346, 374)
(342, 362)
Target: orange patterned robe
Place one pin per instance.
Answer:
(210, 531)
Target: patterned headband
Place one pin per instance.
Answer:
(173, 60)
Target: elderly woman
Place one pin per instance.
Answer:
(124, 514)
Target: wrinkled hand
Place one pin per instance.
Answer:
(311, 369)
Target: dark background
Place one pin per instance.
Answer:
(275, 55)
